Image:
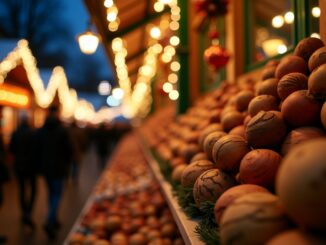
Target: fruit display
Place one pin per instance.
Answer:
(127, 206)
(267, 135)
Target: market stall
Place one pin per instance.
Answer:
(240, 156)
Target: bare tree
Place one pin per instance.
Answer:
(39, 22)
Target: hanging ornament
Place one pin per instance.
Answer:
(211, 7)
(207, 11)
(215, 55)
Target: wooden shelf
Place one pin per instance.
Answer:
(186, 225)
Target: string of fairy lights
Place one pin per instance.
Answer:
(136, 99)
(70, 104)
(139, 98)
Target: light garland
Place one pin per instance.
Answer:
(139, 99)
(112, 15)
(71, 106)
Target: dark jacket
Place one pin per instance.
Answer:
(53, 149)
(21, 147)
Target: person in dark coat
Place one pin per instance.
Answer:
(102, 143)
(54, 152)
(25, 168)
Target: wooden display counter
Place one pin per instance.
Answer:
(186, 226)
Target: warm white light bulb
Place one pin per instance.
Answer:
(289, 17)
(278, 21)
(117, 93)
(167, 87)
(88, 42)
(315, 11)
(174, 95)
(281, 49)
(158, 7)
(155, 32)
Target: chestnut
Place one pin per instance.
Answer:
(290, 83)
(242, 99)
(300, 135)
(291, 64)
(299, 109)
(259, 167)
(307, 46)
(262, 103)
(266, 130)
(317, 82)
(268, 87)
(317, 58)
(228, 152)
(231, 120)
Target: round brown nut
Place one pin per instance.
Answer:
(272, 63)
(210, 141)
(193, 171)
(228, 152)
(177, 172)
(307, 46)
(297, 237)
(291, 64)
(268, 72)
(259, 167)
(226, 110)
(301, 184)
(257, 213)
(231, 120)
(290, 83)
(209, 129)
(266, 130)
(262, 103)
(300, 135)
(299, 109)
(239, 130)
(242, 99)
(199, 156)
(317, 84)
(323, 115)
(210, 185)
(317, 58)
(268, 87)
(188, 151)
(230, 195)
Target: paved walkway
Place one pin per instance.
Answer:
(74, 198)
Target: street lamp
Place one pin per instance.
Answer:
(88, 41)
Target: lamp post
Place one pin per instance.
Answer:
(88, 41)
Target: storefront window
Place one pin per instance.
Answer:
(273, 28)
(211, 78)
(313, 12)
(270, 29)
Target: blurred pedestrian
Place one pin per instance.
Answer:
(20, 146)
(78, 140)
(54, 156)
(102, 140)
(4, 177)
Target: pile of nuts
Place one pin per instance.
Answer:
(257, 149)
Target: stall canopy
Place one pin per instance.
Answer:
(133, 18)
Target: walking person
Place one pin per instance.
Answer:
(102, 140)
(54, 153)
(20, 146)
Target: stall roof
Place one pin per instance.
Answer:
(134, 16)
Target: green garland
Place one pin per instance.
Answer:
(207, 228)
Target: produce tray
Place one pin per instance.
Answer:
(185, 224)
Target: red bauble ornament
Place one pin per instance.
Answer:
(212, 7)
(216, 56)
